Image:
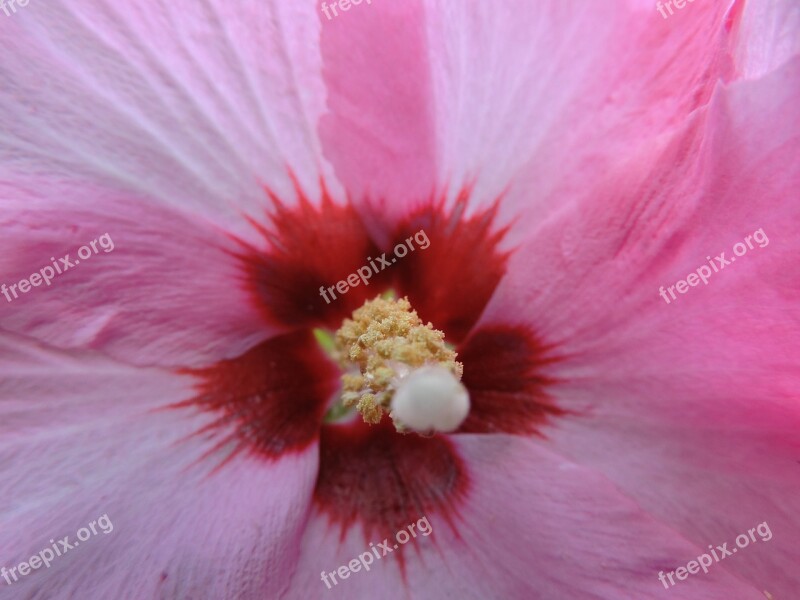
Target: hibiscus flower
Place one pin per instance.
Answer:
(203, 396)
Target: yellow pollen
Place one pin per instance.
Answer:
(383, 342)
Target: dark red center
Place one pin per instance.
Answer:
(270, 401)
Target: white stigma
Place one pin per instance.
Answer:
(430, 399)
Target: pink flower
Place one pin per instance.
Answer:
(566, 161)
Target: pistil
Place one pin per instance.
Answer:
(393, 363)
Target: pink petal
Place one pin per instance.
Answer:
(194, 104)
(83, 437)
(380, 132)
(170, 292)
(535, 525)
(767, 36)
(690, 408)
(535, 104)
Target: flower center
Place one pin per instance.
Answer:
(393, 363)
